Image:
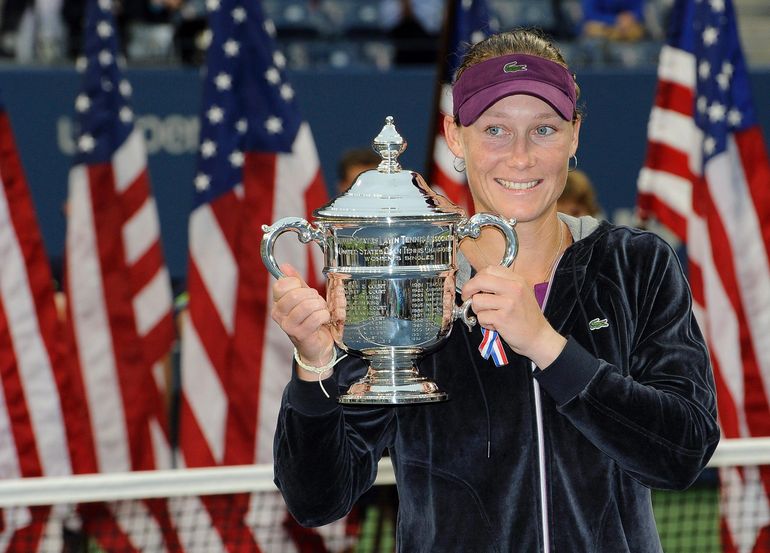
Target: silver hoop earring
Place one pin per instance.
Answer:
(458, 164)
(574, 166)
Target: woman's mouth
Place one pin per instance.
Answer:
(517, 185)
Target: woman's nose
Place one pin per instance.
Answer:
(520, 153)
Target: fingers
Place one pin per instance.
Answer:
(498, 296)
(490, 309)
(302, 324)
(289, 270)
(298, 309)
(483, 301)
(292, 280)
(504, 302)
(296, 305)
(492, 280)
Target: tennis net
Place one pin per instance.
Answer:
(238, 509)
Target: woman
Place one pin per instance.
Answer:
(605, 390)
(579, 196)
(621, 20)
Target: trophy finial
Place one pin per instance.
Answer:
(389, 145)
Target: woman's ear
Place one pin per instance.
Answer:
(452, 134)
(575, 136)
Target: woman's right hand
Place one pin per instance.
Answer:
(303, 315)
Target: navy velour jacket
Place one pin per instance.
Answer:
(574, 449)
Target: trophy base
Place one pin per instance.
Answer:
(398, 387)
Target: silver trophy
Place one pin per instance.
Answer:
(390, 247)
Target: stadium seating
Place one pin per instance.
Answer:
(336, 34)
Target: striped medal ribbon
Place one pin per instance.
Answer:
(491, 344)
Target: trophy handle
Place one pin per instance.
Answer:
(304, 229)
(462, 312)
(472, 228)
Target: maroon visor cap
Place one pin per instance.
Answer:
(485, 83)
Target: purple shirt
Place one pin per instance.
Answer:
(541, 290)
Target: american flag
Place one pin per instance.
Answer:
(466, 22)
(40, 417)
(707, 177)
(257, 163)
(119, 304)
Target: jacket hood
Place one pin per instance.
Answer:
(579, 227)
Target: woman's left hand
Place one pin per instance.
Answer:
(503, 301)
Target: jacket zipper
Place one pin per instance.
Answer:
(541, 436)
(541, 466)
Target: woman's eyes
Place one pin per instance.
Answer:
(544, 130)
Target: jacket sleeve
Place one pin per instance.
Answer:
(657, 420)
(325, 456)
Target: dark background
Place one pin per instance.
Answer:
(344, 108)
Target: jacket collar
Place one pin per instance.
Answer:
(577, 271)
(579, 227)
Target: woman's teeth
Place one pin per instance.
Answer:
(510, 185)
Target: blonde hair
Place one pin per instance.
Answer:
(521, 40)
(579, 190)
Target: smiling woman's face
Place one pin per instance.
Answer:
(516, 156)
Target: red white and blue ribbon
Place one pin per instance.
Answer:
(492, 344)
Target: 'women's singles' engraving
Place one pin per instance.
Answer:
(395, 251)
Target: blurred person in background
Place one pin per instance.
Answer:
(414, 27)
(190, 26)
(352, 163)
(579, 196)
(32, 30)
(126, 12)
(428, 13)
(146, 11)
(10, 19)
(621, 20)
(73, 14)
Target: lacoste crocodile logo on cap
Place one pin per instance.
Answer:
(513, 67)
(598, 323)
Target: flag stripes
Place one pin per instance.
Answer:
(443, 175)
(707, 178)
(119, 302)
(29, 325)
(257, 163)
(41, 432)
(466, 22)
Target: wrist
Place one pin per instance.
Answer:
(308, 372)
(550, 348)
(313, 369)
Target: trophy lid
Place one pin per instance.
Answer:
(389, 192)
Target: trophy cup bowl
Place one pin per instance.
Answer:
(390, 246)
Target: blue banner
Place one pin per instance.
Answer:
(344, 109)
